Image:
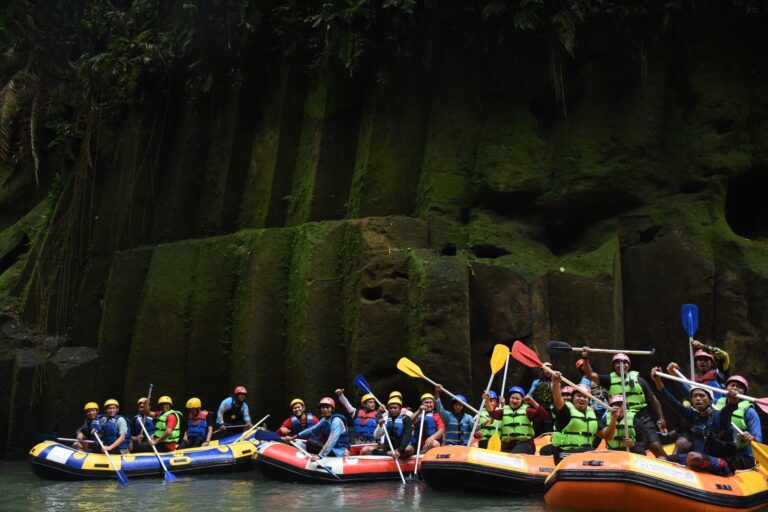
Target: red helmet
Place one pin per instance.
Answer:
(738, 378)
(621, 357)
(583, 389)
(705, 354)
(328, 401)
(240, 389)
(615, 399)
(567, 390)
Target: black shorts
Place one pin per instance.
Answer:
(646, 432)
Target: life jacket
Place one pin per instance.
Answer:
(579, 432)
(635, 393)
(110, 432)
(149, 424)
(160, 421)
(617, 443)
(737, 418)
(198, 426)
(365, 423)
(515, 425)
(343, 440)
(297, 425)
(430, 427)
(711, 378)
(488, 425)
(234, 415)
(87, 426)
(457, 431)
(395, 429)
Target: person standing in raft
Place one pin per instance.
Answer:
(434, 427)
(233, 415)
(611, 425)
(398, 426)
(115, 434)
(167, 426)
(85, 432)
(363, 419)
(332, 427)
(199, 425)
(713, 448)
(140, 444)
(575, 423)
(517, 420)
(711, 364)
(458, 423)
(300, 419)
(640, 398)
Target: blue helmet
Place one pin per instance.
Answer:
(517, 389)
(493, 395)
(459, 397)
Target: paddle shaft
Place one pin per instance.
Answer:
(615, 351)
(624, 403)
(154, 448)
(245, 434)
(462, 402)
(109, 458)
(71, 440)
(389, 441)
(575, 387)
(503, 389)
(477, 415)
(705, 386)
(305, 452)
(418, 446)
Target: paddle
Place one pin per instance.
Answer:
(50, 437)
(169, 477)
(361, 383)
(760, 450)
(418, 447)
(528, 357)
(305, 452)
(498, 356)
(761, 402)
(690, 314)
(556, 346)
(120, 475)
(494, 443)
(624, 403)
(411, 369)
(245, 434)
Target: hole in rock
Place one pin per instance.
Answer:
(746, 209)
(372, 293)
(489, 251)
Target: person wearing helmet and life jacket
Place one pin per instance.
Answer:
(167, 426)
(363, 418)
(199, 425)
(541, 391)
(610, 427)
(598, 391)
(300, 419)
(713, 450)
(233, 415)
(405, 410)
(332, 427)
(576, 422)
(140, 444)
(84, 434)
(115, 433)
(516, 429)
(398, 427)
(746, 419)
(434, 427)
(710, 364)
(458, 422)
(640, 398)
(486, 425)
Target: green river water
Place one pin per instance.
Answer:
(20, 490)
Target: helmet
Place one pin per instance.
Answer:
(706, 391)
(566, 390)
(427, 395)
(517, 389)
(583, 389)
(91, 405)
(621, 357)
(164, 400)
(579, 363)
(615, 398)
(493, 395)
(703, 353)
(112, 401)
(328, 401)
(366, 397)
(240, 389)
(297, 401)
(459, 397)
(394, 400)
(194, 403)
(738, 378)
(396, 393)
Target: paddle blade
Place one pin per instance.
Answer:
(494, 443)
(122, 478)
(169, 477)
(499, 358)
(690, 318)
(557, 346)
(266, 435)
(762, 403)
(525, 355)
(761, 453)
(409, 368)
(361, 383)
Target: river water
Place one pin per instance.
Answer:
(21, 490)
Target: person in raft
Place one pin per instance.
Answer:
(167, 426)
(233, 415)
(746, 419)
(85, 439)
(486, 425)
(199, 425)
(114, 429)
(405, 410)
(566, 392)
(611, 427)
(711, 364)
(300, 419)
(137, 434)
(640, 398)
(363, 418)
(458, 423)
(434, 427)
(575, 423)
(332, 427)
(398, 426)
(517, 420)
(713, 448)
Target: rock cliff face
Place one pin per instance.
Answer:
(293, 230)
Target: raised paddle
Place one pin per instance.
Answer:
(624, 403)
(498, 356)
(321, 459)
(561, 346)
(361, 383)
(760, 450)
(528, 357)
(761, 402)
(494, 443)
(411, 369)
(418, 447)
(690, 317)
(169, 477)
(120, 475)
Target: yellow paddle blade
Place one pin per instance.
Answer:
(409, 368)
(499, 358)
(761, 453)
(494, 443)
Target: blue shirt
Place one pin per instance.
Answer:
(337, 428)
(226, 405)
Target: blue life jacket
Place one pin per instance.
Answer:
(430, 427)
(297, 426)
(87, 426)
(343, 440)
(395, 430)
(234, 415)
(110, 435)
(457, 431)
(198, 426)
(365, 424)
(149, 424)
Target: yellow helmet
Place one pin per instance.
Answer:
(397, 394)
(142, 400)
(164, 400)
(395, 400)
(112, 401)
(91, 405)
(194, 403)
(297, 401)
(427, 395)
(366, 397)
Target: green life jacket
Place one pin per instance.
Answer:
(635, 394)
(579, 432)
(515, 425)
(487, 425)
(160, 427)
(617, 443)
(738, 416)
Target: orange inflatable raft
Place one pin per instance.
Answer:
(280, 461)
(613, 480)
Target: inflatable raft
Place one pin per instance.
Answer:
(280, 461)
(61, 462)
(614, 480)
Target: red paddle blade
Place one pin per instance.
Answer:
(525, 355)
(762, 403)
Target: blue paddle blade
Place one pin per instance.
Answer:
(690, 318)
(361, 383)
(122, 478)
(330, 472)
(266, 435)
(169, 477)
